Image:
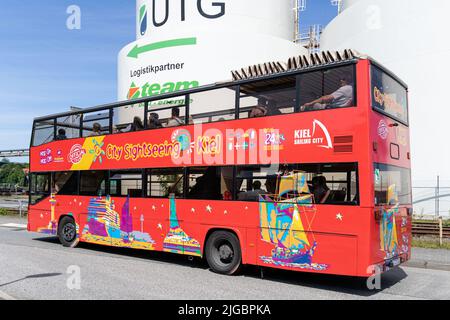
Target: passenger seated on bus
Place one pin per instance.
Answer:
(116, 130)
(260, 110)
(254, 194)
(272, 108)
(61, 135)
(343, 97)
(96, 129)
(320, 189)
(175, 120)
(271, 184)
(137, 125)
(207, 186)
(153, 121)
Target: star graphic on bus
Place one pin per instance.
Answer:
(209, 208)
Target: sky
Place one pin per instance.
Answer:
(45, 68)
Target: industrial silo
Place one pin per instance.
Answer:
(183, 44)
(408, 37)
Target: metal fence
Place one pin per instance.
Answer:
(432, 199)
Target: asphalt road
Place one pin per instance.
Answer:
(36, 267)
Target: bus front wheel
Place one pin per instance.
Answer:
(67, 232)
(223, 252)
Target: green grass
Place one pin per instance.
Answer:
(7, 212)
(430, 244)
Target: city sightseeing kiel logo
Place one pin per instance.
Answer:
(143, 20)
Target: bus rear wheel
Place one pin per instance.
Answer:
(67, 232)
(223, 253)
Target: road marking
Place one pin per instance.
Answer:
(14, 225)
(5, 296)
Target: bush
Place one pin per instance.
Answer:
(3, 212)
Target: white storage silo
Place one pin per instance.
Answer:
(408, 37)
(183, 44)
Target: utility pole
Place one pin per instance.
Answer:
(437, 199)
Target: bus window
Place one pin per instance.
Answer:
(392, 185)
(389, 96)
(126, 183)
(65, 183)
(95, 123)
(93, 183)
(166, 118)
(68, 127)
(128, 118)
(40, 187)
(43, 132)
(210, 183)
(268, 98)
(253, 181)
(212, 106)
(328, 89)
(163, 182)
(335, 183)
(167, 113)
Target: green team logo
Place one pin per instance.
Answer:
(134, 92)
(153, 89)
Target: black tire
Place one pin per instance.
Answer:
(223, 253)
(67, 232)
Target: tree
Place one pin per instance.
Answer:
(12, 173)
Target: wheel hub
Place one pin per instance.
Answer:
(225, 252)
(69, 232)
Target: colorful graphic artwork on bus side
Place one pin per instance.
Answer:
(388, 227)
(388, 233)
(52, 225)
(281, 225)
(177, 241)
(105, 226)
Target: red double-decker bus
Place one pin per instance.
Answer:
(304, 166)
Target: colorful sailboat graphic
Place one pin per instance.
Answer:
(281, 225)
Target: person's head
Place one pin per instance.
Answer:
(256, 185)
(175, 112)
(154, 117)
(97, 128)
(61, 132)
(345, 79)
(137, 122)
(258, 111)
(319, 181)
(262, 102)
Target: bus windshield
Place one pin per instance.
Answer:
(389, 96)
(392, 185)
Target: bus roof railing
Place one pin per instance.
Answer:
(279, 70)
(298, 63)
(266, 71)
